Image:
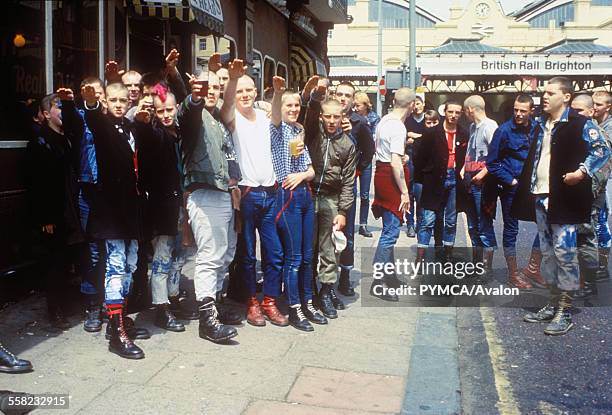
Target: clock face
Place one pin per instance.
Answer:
(482, 10)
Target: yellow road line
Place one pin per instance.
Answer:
(506, 403)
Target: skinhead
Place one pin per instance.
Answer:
(117, 98)
(214, 89)
(245, 94)
(331, 116)
(345, 94)
(166, 111)
(131, 80)
(452, 113)
(522, 112)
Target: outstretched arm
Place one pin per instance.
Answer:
(228, 110)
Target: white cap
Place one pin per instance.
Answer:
(339, 239)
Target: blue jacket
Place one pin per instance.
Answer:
(73, 119)
(508, 150)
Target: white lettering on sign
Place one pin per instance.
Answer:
(210, 7)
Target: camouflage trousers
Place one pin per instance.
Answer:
(559, 246)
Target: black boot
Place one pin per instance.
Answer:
(379, 289)
(166, 320)
(210, 327)
(590, 284)
(313, 314)
(181, 311)
(138, 333)
(562, 320)
(344, 283)
(337, 302)
(298, 320)
(119, 342)
(93, 319)
(363, 231)
(9, 363)
(325, 301)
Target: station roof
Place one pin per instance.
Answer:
(577, 46)
(347, 60)
(457, 45)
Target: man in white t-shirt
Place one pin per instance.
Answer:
(251, 134)
(391, 199)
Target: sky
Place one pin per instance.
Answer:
(440, 7)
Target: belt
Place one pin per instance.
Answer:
(268, 189)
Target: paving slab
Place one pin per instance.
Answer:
(272, 407)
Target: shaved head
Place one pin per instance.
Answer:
(404, 98)
(583, 104)
(475, 102)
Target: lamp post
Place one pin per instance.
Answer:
(379, 104)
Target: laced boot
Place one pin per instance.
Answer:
(532, 271)
(313, 314)
(515, 277)
(254, 315)
(271, 312)
(344, 283)
(133, 331)
(180, 311)
(166, 320)
(379, 289)
(588, 276)
(210, 326)
(298, 320)
(119, 342)
(226, 314)
(9, 363)
(93, 319)
(544, 314)
(325, 302)
(562, 321)
(602, 272)
(336, 301)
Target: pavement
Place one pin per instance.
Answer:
(376, 358)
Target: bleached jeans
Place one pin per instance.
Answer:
(121, 259)
(212, 221)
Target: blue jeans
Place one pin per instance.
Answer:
(480, 226)
(121, 259)
(296, 228)
(258, 209)
(388, 238)
(604, 239)
(427, 218)
(364, 194)
(92, 272)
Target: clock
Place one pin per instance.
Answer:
(482, 9)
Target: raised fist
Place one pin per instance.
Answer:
(310, 85)
(279, 84)
(65, 94)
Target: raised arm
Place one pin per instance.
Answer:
(173, 76)
(311, 122)
(228, 110)
(277, 100)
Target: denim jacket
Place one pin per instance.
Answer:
(508, 150)
(74, 120)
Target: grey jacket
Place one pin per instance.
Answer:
(207, 148)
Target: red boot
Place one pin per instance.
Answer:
(515, 277)
(532, 271)
(254, 315)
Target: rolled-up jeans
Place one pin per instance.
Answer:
(163, 258)
(121, 259)
(388, 238)
(211, 217)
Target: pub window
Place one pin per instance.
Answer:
(22, 64)
(227, 49)
(202, 44)
(269, 71)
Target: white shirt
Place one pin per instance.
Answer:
(253, 149)
(390, 138)
(543, 169)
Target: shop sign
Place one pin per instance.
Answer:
(210, 7)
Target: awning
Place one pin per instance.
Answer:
(305, 63)
(208, 13)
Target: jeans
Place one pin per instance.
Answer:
(296, 229)
(388, 238)
(211, 217)
(604, 239)
(121, 259)
(92, 267)
(480, 225)
(258, 208)
(163, 259)
(448, 212)
(347, 257)
(365, 181)
(559, 246)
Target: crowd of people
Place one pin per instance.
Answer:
(136, 160)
